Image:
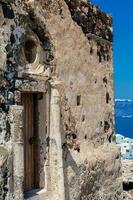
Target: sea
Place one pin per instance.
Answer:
(124, 117)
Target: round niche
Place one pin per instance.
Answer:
(32, 55)
(29, 57)
(30, 51)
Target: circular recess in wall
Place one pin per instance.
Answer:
(30, 56)
(30, 50)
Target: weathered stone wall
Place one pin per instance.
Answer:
(84, 64)
(91, 19)
(17, 25)
(74, 45)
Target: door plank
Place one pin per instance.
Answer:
(29, 165)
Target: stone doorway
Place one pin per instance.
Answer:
(46, 109)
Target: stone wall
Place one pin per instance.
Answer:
(91, 19)
(85, 66)
(17, 75)
(73, 44)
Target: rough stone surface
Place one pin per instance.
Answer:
(128, 195)
(71, 52)
(127, 171)
(3, 171)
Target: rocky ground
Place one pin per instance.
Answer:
(127, 169)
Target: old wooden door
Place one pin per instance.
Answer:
(30, 142)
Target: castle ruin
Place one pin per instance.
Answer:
(57, 137)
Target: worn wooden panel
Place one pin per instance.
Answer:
(29, 165)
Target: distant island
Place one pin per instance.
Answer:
(124, 117)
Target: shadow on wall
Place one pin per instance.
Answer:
(74, 167)
(67, 161)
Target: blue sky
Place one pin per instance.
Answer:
(122, 12)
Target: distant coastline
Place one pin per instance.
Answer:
(124, 100)
(124, 117)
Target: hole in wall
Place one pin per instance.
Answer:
(128, 186)
(74, 136)
(78, 100)
(107, 97)
(105, 80)
(91, 51)
(95, 80)
(30, 50)
(106, 126)
(83, 118)
(85, 137)
(101, 124)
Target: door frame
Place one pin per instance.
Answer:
(16, 116)
(53, 168)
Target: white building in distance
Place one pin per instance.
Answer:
(125, 145)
